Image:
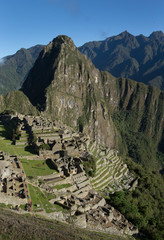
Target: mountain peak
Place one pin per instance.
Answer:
(58, 42)
(59, 61)
(63, 38)
(126, 39)
(125, 33)
(124, 36)
(157, 35)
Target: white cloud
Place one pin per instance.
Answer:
(2, 61)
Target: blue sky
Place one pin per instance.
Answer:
(25, 23)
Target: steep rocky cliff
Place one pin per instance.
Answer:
(119, 113)
(67, 87)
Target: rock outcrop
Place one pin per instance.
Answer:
(68, 88)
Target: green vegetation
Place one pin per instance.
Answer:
(12, 130)
(7, 146)
(38, 197)
(49, 196)
(58, 187)
(44, 147)
(32, 139)
(36, 168)
(17, 226)
(90, 166)
(145, 205)
(41, 198)
(16, 67)
(89, 101)
(135, 143)
(100, 173)
(17, 101)
(3, 205)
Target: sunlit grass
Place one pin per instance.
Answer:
(38, 197)
(7, 146)
(36, 168)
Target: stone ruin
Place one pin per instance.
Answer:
(93, 212)
(11, 180)
(67, 152)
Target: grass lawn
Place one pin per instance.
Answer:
(58, 187)
(7, 146)
(36, 168)
(3, 205)
(38, 197)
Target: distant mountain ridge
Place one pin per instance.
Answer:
(15, 68)
(137, 57)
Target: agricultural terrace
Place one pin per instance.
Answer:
(7, 146)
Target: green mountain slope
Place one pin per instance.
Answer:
(16, 101)
(119, 113)
(16, 226)
(15, 68)
(137, 57)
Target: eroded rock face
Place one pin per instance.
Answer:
(68, 88)
(71, 90)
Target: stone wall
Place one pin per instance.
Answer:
(11, 200)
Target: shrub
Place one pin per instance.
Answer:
(90, 166)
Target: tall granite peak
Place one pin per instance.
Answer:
(67, 87)
(117, 113)
(55, 57)
(58, 43)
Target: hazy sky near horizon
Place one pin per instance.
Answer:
(25, 23)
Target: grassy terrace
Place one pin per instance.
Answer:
(38, 131)
(40, 198)
(36, 168)
(32, 168)
(7, 146)
(61, 186)
(117, 169)
(102, 180)
(105, 170)
(21, 140)
(99, 170)
(105, 185)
